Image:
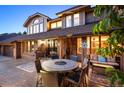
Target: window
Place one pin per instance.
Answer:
(103, 41)
(41, 27)
(37, 28)
(94, 44)
(68, 21)
(28, 30)
(53, 25)
(76, 19)
(79, 45)
(59, 24)
(31, 31)
(56, 24)
(34, 28)
(36, 21)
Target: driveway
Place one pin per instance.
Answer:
(17, 73)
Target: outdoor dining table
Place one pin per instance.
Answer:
(54, 66)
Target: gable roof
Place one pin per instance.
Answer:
(33, 16)
(72, 9)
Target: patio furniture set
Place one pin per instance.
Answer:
(57, 72)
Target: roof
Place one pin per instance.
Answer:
(7, 36)
(55, 19)
(75, 8)
(12, 39)
(73, 31)
(33, 16)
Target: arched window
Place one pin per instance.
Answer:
(36, 21)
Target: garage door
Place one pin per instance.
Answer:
(8, 51)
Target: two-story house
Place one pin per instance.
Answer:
(68, 34)
(64, 34)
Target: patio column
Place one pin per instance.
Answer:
(61, 48)
(14, 50)
(122, 63)
(84, 48)
(28, 46)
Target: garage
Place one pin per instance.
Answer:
(8, 50)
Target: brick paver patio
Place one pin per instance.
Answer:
(11, 76)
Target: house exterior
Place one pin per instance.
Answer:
(68, 34)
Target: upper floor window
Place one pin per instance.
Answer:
(36, 21)
(53, 25)
(76, 19)
(68, 21)
(36, 26)
(56, 24)
(41, 27)
(59, 24)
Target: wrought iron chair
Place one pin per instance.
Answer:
(78, 77)
(54, 56)
(38, 69)
(74, 58)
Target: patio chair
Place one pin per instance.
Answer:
(54, 56)
(77, 79)
(74, 58)
(38, 70)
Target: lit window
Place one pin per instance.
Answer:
(41, 27)
(59, 24)
(31, 30)
(36, 21)
(76, 19)
(68, 21)
(53, 25)
(79, 45)
(103, 41)
(37, 28)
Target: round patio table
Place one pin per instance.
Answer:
(52, 67)
(59, 65)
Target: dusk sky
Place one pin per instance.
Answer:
(12, 17)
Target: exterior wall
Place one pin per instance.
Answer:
(82, 18)
(63, 22)
(90, 18)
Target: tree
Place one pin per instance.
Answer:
(112, 23)
(19, 33)
(24, 33)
